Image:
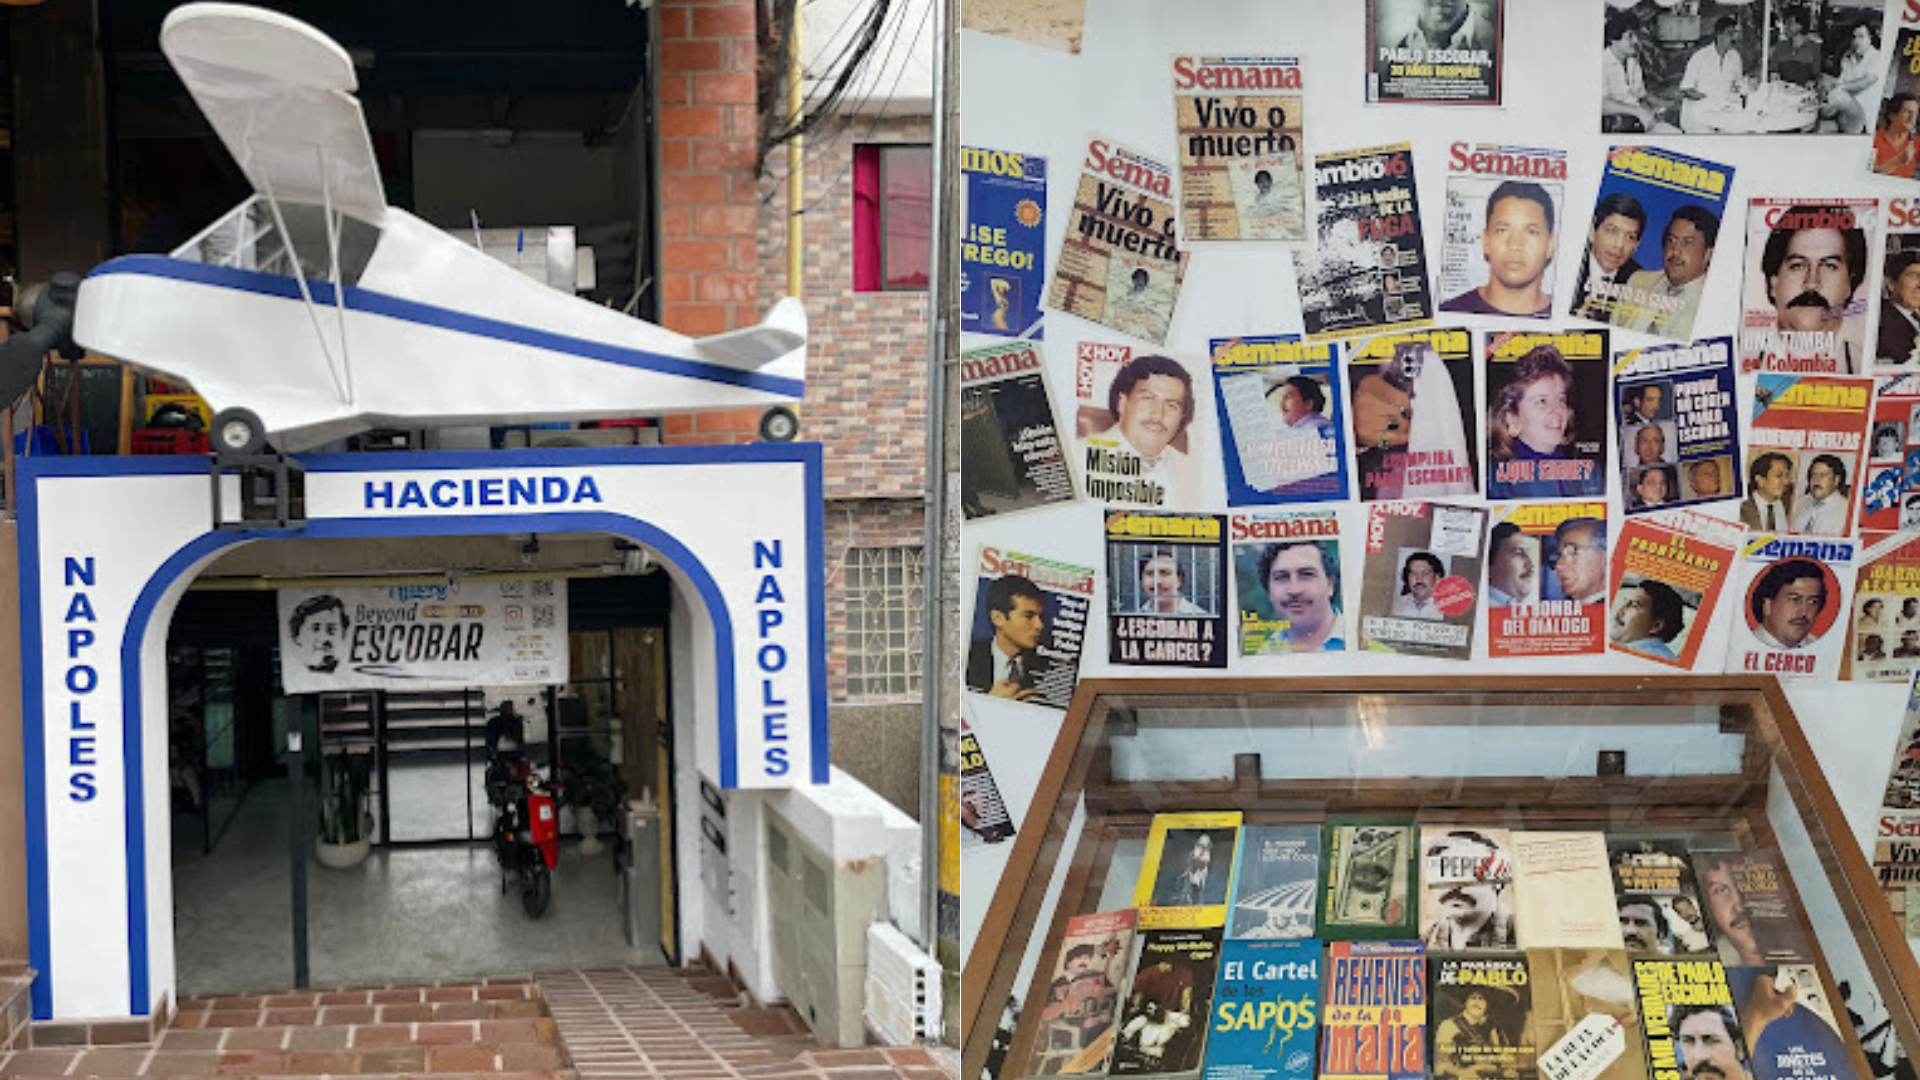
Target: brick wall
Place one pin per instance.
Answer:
(867, 352)
(708, 197)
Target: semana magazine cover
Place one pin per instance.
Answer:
(1546, 415)
(1029, 622)
(1412, 399)
(1502, 229)
(1679, 424)
(1547, 580)
(1656, 227)
(1121, 265)
(1167, 589)
(1805, 449)
(1282, 432)
(1012, 456)
(1289, 581)
(1794, 595)
(1242, 148)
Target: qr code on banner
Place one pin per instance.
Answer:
(543, 616)
(542, 587)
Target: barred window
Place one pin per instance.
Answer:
(886, 627)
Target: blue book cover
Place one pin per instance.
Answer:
(1003, 254)
(1275, 882)
(1265, 1012)
(1790, 1028)
(1281, 433)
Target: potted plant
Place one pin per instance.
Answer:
(595, 791)
(346, 825)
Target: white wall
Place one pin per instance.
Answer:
(1019, 97)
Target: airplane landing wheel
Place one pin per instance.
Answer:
(779, 424)
(238, 431)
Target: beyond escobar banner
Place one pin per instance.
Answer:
(424, 637)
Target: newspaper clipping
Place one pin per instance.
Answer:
(1434, 52)
(1003, 256)
(1029, 621)
(1890, 493)
(1121, 263)
(1897, 321)
(1737, 67)
(1501, 230)
(1883, 644)
(1288, 577)
(1368, 271)
(1668, 570)
(1896, 850)
(1896, 132)
(1010, 449)
(1134, 424)
(1282, 436)
(1655, 223)
(1546, 415)
(1547, 580)
(1804, 307)
(1413, 421)
(1167, 589)
(1793, 591)
(1679, 425)
(1805, 454)
(1241, 156)
(1422, 579)
(983, 816)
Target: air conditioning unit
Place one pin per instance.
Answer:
(903, 988)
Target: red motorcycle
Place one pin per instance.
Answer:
(526, 817)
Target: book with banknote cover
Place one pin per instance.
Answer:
(1368, 878)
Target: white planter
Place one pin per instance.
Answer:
(589, 826)
(342, 856)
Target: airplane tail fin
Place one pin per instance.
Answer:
(780, 333)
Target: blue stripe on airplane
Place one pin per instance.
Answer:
(376, 303)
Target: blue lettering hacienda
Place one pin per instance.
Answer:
(452, 494)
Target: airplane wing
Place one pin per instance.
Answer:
(280, 95)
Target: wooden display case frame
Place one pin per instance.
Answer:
(1081, 764)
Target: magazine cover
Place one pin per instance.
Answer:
(1466, 890)
(1167, 596)
(1482, 1017)
(1658, 901)
(1789, 1023)
(1655, 223)
(1890, 493)
(1804, 303)
(1564, 892)
(1775, 67)
(1679, 425)
(1367, 272)
(1501, 230)
(1434, 52)
(1120, 265)
(1288, 570)
(1585, 1024)
(1083, 997)
(1242, 151)
(1547, 580)
(1275, 879)
(1883, 637)
(983, 816)
(1003, 256)
(1367, 878)
(1282, 435)
(1163, 1030)
(1667, 574)
(1050, 24)
(1747, 900)
(1896, 336)
(1896, 857)
(1422, 580)
(1794, 592)
(1266, 1012)
(1011, 454)
(1374, 1020)
(1029, 621)
(1189, 864)
(1896, 152)
(1686, 1009)
(1903, 775)
(1134, 426)
(1413, 417)
(1546, 415)
(1804, 453)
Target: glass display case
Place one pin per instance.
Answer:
(1673, 769)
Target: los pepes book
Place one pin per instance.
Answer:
(1266, 1011)
(1374, 1025)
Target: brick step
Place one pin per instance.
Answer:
(559, 1074)
(514, 1031)
(521, 1061)
(415, 1012)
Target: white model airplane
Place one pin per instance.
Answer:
(314, 310)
